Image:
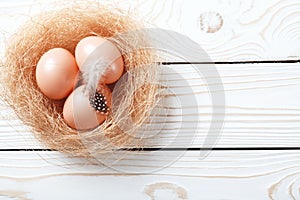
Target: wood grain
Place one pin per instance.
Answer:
(227, 30)
(222, 175)
(232, 30)
(262, 109)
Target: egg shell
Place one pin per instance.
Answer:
(95, 47)
(56, 73)
(79, 114)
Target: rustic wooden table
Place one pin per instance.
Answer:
(255, 46)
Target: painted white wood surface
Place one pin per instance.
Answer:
(228, 30)
(262, 109)
(231, 30)
(230, 175)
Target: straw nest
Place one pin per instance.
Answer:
(64, 28)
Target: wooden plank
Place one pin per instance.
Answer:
(222, 175)
(262, 109)
(232, 30)
(226, 30)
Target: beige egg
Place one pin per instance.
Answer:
(94, 45)
(56, 73)
(78, 112)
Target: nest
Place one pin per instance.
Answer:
(65, 28)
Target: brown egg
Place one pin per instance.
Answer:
(56, 73)
(95, 45)
(80, 112)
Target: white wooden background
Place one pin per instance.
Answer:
(258, 155)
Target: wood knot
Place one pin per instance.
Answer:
(210, 22)
(179, 192)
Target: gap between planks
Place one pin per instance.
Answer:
(232, 62)
(180, 149)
